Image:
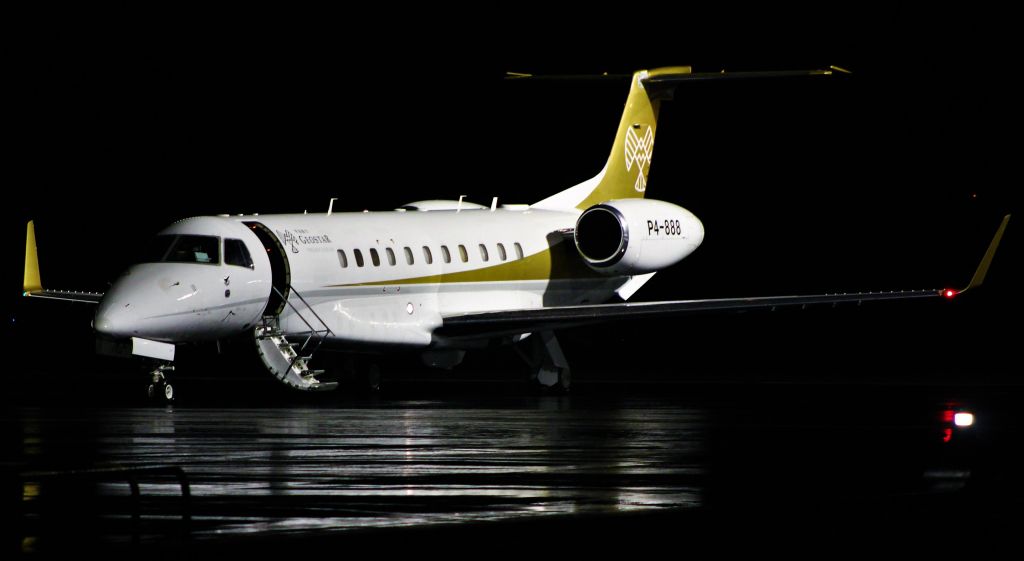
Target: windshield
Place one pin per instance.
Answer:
(235, 253)
(183, 249)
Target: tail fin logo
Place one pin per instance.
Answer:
(638, 152)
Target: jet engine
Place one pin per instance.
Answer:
(636, 236)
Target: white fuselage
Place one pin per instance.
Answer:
(402, 303)
(372, 278)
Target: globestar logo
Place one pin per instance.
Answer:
(301, 237)
(638, 152)
(289, 239)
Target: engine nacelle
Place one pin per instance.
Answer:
(636, 236)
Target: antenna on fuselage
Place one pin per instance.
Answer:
(330, 206)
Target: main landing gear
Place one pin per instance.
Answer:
(364, 371)
(160, 388)
(548, 368)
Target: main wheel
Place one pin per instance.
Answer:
(553, 379)
(372, 377)
(168, 393)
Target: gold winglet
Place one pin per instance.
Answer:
(32, 282)
(979, 275)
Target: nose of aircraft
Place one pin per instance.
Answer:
(115, 316)
(135, 305)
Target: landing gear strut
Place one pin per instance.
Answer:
(160, 387)
(364, 371)
(548, 368)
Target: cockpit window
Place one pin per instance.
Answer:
(157, 249)
(235, 253)
(194, 249)
(169, 248)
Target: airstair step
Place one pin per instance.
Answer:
(288, 362)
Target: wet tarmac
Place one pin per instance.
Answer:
(692, 459)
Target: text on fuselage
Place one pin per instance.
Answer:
(664, 228)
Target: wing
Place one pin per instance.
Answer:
(33, 286)
(67, 295)
(510, 322)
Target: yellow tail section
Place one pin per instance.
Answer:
(625, 174)
(32, 281)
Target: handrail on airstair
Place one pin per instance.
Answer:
(322, 333)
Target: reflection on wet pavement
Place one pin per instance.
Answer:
(772, 460)
(407, 463)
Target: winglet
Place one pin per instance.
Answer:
(986, 261)
(32, 282)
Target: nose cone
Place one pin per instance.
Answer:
(135, 305)
(115, 316)
(164, 302)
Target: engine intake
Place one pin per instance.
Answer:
(606, 238)
(635, 236)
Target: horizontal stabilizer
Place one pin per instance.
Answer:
(679, 78)
(679, 74)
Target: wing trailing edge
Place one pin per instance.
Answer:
(510, 322)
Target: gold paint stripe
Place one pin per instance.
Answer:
(560, 261)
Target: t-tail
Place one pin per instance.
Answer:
(624, 175)
(626, 172)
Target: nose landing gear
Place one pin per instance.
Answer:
(160, 388)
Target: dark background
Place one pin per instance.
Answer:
(894, 177)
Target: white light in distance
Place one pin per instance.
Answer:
(963, 419)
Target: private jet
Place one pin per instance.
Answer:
(434, 277)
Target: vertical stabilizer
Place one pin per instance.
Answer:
(624, 175)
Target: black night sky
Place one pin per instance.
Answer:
(894, 177)
(799, 429)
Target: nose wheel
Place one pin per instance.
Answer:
(160, 388)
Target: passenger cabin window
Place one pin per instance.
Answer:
(427, 256)
(463, 253)
(194, 249)
(483, 252)
(391, 256)
(501, 252)
(342, 259)
(359, 257)
(235, 253)
(519, 251)
(408, 256)
(375, 257)
(445, 254)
